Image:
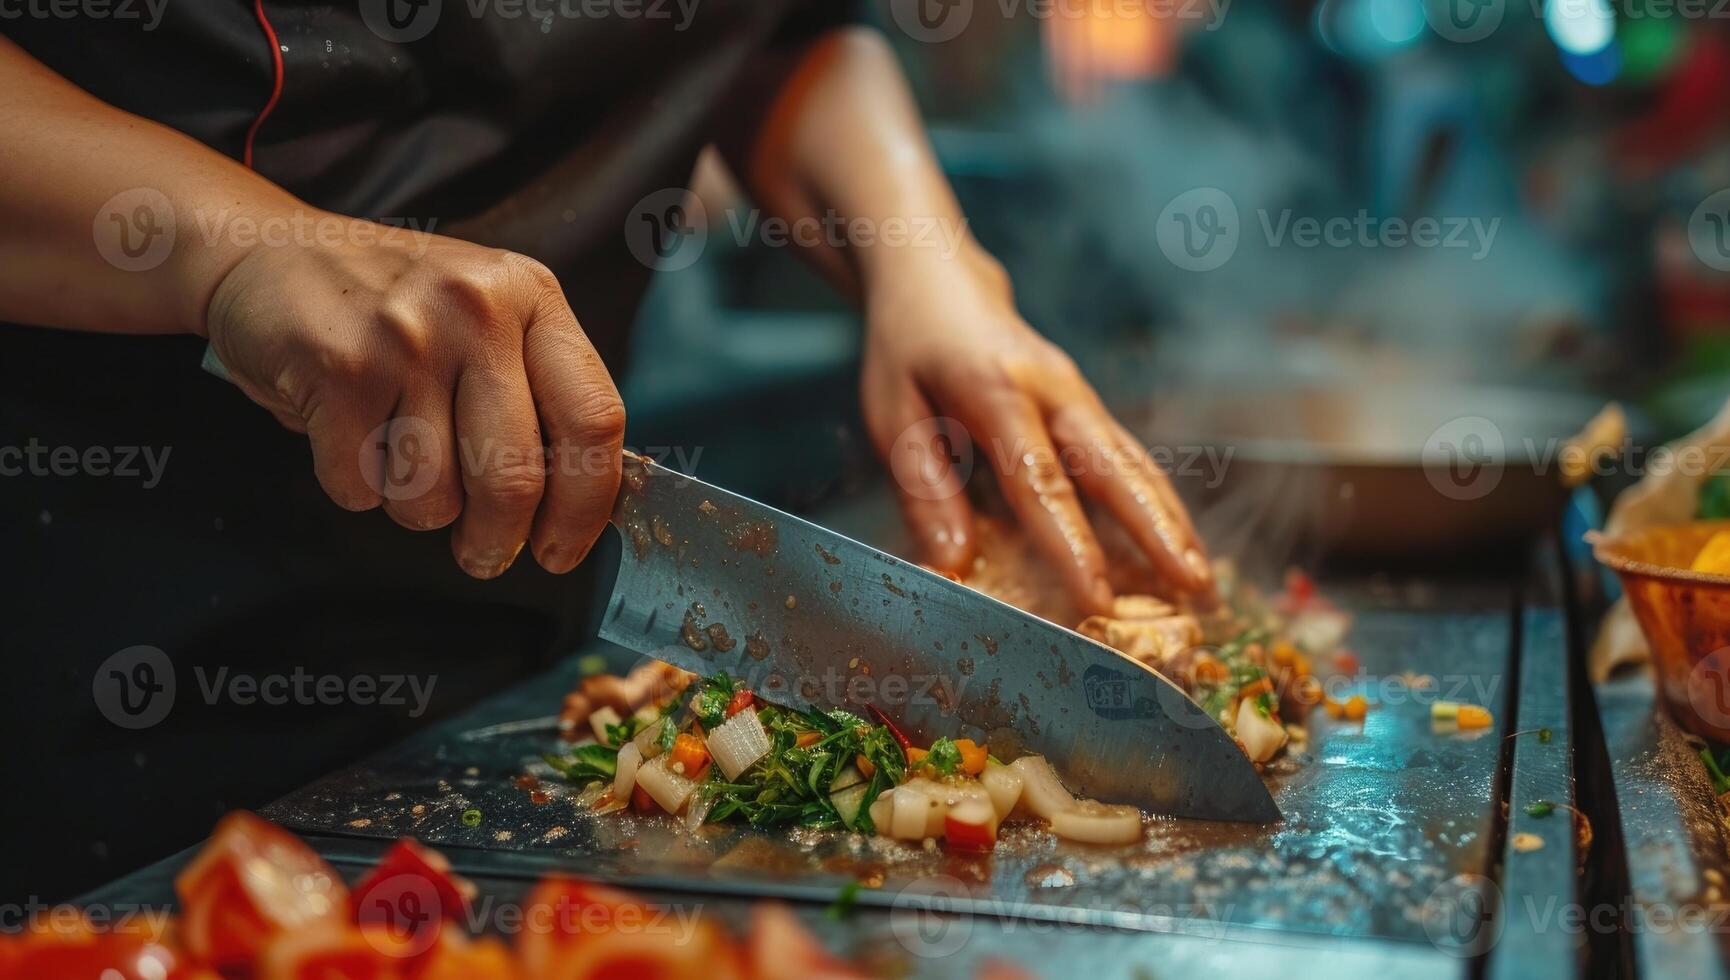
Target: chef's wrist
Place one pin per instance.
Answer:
(212, 238)
(892, 272)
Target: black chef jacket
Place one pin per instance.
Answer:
(533, 125)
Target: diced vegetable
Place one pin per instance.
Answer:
(739, 743)
(805, 740)
(1444, 711)
(919, 810)
(1261, 736)
(1003, 785)
(847, 802)
(882, 811)
(601, 719)
(1472, 716)
(1093, 822)
(689, 755)
(865, 766)
(697, 810)
(973, 756)
(971, 824)
(648, 741)
(666, 787)
(916, 756)
(740, 702)
(625, 778)
(944, 757)
(848, 776)
(1042, 793)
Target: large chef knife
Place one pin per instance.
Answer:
(711, 581)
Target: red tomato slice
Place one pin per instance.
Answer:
(410, 894)
(457, 958)
(741, 701)
(780, 948)
(252, 881)
(575, 930)
(329, 951)
(83, 954)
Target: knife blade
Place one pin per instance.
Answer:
(711, 581)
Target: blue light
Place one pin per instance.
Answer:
(1598, 68)
(1399, 22)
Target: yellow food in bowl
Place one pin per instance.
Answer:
(1714, 559)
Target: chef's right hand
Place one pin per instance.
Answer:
(399, 351)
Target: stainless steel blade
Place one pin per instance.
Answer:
(711, 581)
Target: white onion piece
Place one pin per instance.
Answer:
(738, 743)
(1003, 784)
(1042, 793)
(625, 776)
(1093, 822)
(599, 719)
(918, 812)
(882, 811)
(1261, 737)
(648, 741)
(664, 786)
(590, 795)
(698, 810)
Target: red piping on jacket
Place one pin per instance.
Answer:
(275, 84)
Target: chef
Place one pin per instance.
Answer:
(404, 228)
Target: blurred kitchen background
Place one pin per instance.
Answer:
(1584, 134)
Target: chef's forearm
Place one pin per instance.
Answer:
(842, 144)
(87, 195)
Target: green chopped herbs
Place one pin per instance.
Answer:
(1539, 809)
(845, 899)
(944, 757)
(587, 763)
(1544, 735)
(810, 778)
(471, 818)
(1720, 783)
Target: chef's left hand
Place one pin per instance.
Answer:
(944, 340)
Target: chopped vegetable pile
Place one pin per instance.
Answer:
(722, 754)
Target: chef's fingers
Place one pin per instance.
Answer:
(344, 431)
(1133, 488)
(422, 476)
(1041, 494)
(585, 426)
(503, 463)
(924, 453)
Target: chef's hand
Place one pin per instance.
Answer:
(944, 340)
(414, 351)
